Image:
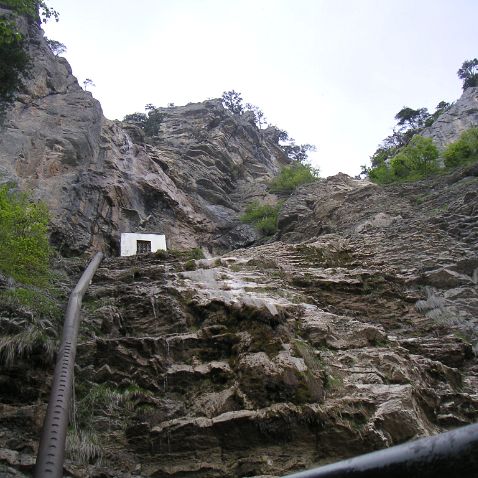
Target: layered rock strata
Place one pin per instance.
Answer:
(275, 358)
(191, 181)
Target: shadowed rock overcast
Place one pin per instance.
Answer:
(331, 73)
(289, 324)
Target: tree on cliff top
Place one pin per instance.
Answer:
(232, 100)
(35, 9)
(410, 118)
(149, 122)
(469, 73)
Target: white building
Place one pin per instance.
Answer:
(133, 243)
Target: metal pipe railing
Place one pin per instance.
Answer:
(452, 454)
(51, 450)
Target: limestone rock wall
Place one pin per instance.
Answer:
(99, 178)
(355, 332)
(354, 329)
(462, 115)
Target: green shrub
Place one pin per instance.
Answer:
(104, 400)
(24, 248)
(188, 254)
(30, 308)
(262, 216)
(38, 303)
(190, 265)
(381, 174)
(36, 336)
(415, 161)
(462, 151)
(196, 253)
(292, 176)
(30, 324)
(267, 225)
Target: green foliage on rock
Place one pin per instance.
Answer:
(262, 216)
(292, 176)
(27, 337)
(28, 324)
(462, 151)
(297, 152)
(409, 118)
(415, 161)
(149, 122)
(96, 405)
(418, 159)
(410, 122)
(14, 59)
(29, 305)
(36, 301)
(185, 255)
(232, 100)
(24, 247)
(137, 118)
(35, 9)
(13, 64)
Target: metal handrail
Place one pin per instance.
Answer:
(451, 454)
(51, 450)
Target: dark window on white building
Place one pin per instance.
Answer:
(143, 247)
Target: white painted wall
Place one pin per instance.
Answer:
(128, 242)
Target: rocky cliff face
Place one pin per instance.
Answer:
(355, 329)
(462, 115)
(353, 333)
(99, 178)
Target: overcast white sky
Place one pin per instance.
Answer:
(331, 72)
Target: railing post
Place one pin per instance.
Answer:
(51, 450)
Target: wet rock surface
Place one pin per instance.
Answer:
(353, 329)
(190, 181)
(279, 357)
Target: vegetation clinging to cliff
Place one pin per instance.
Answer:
(232, 100)
(419, 158)
(410, 122)
(262, 216)
(29, 306)
(415, 161)
(24, 248)
(14, 58)
(292, 176)
(149, 122)
(463, 150)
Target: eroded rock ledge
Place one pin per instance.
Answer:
(283, 356)
(191, 181)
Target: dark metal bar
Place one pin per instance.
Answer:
(51, 450)
(452, 454)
